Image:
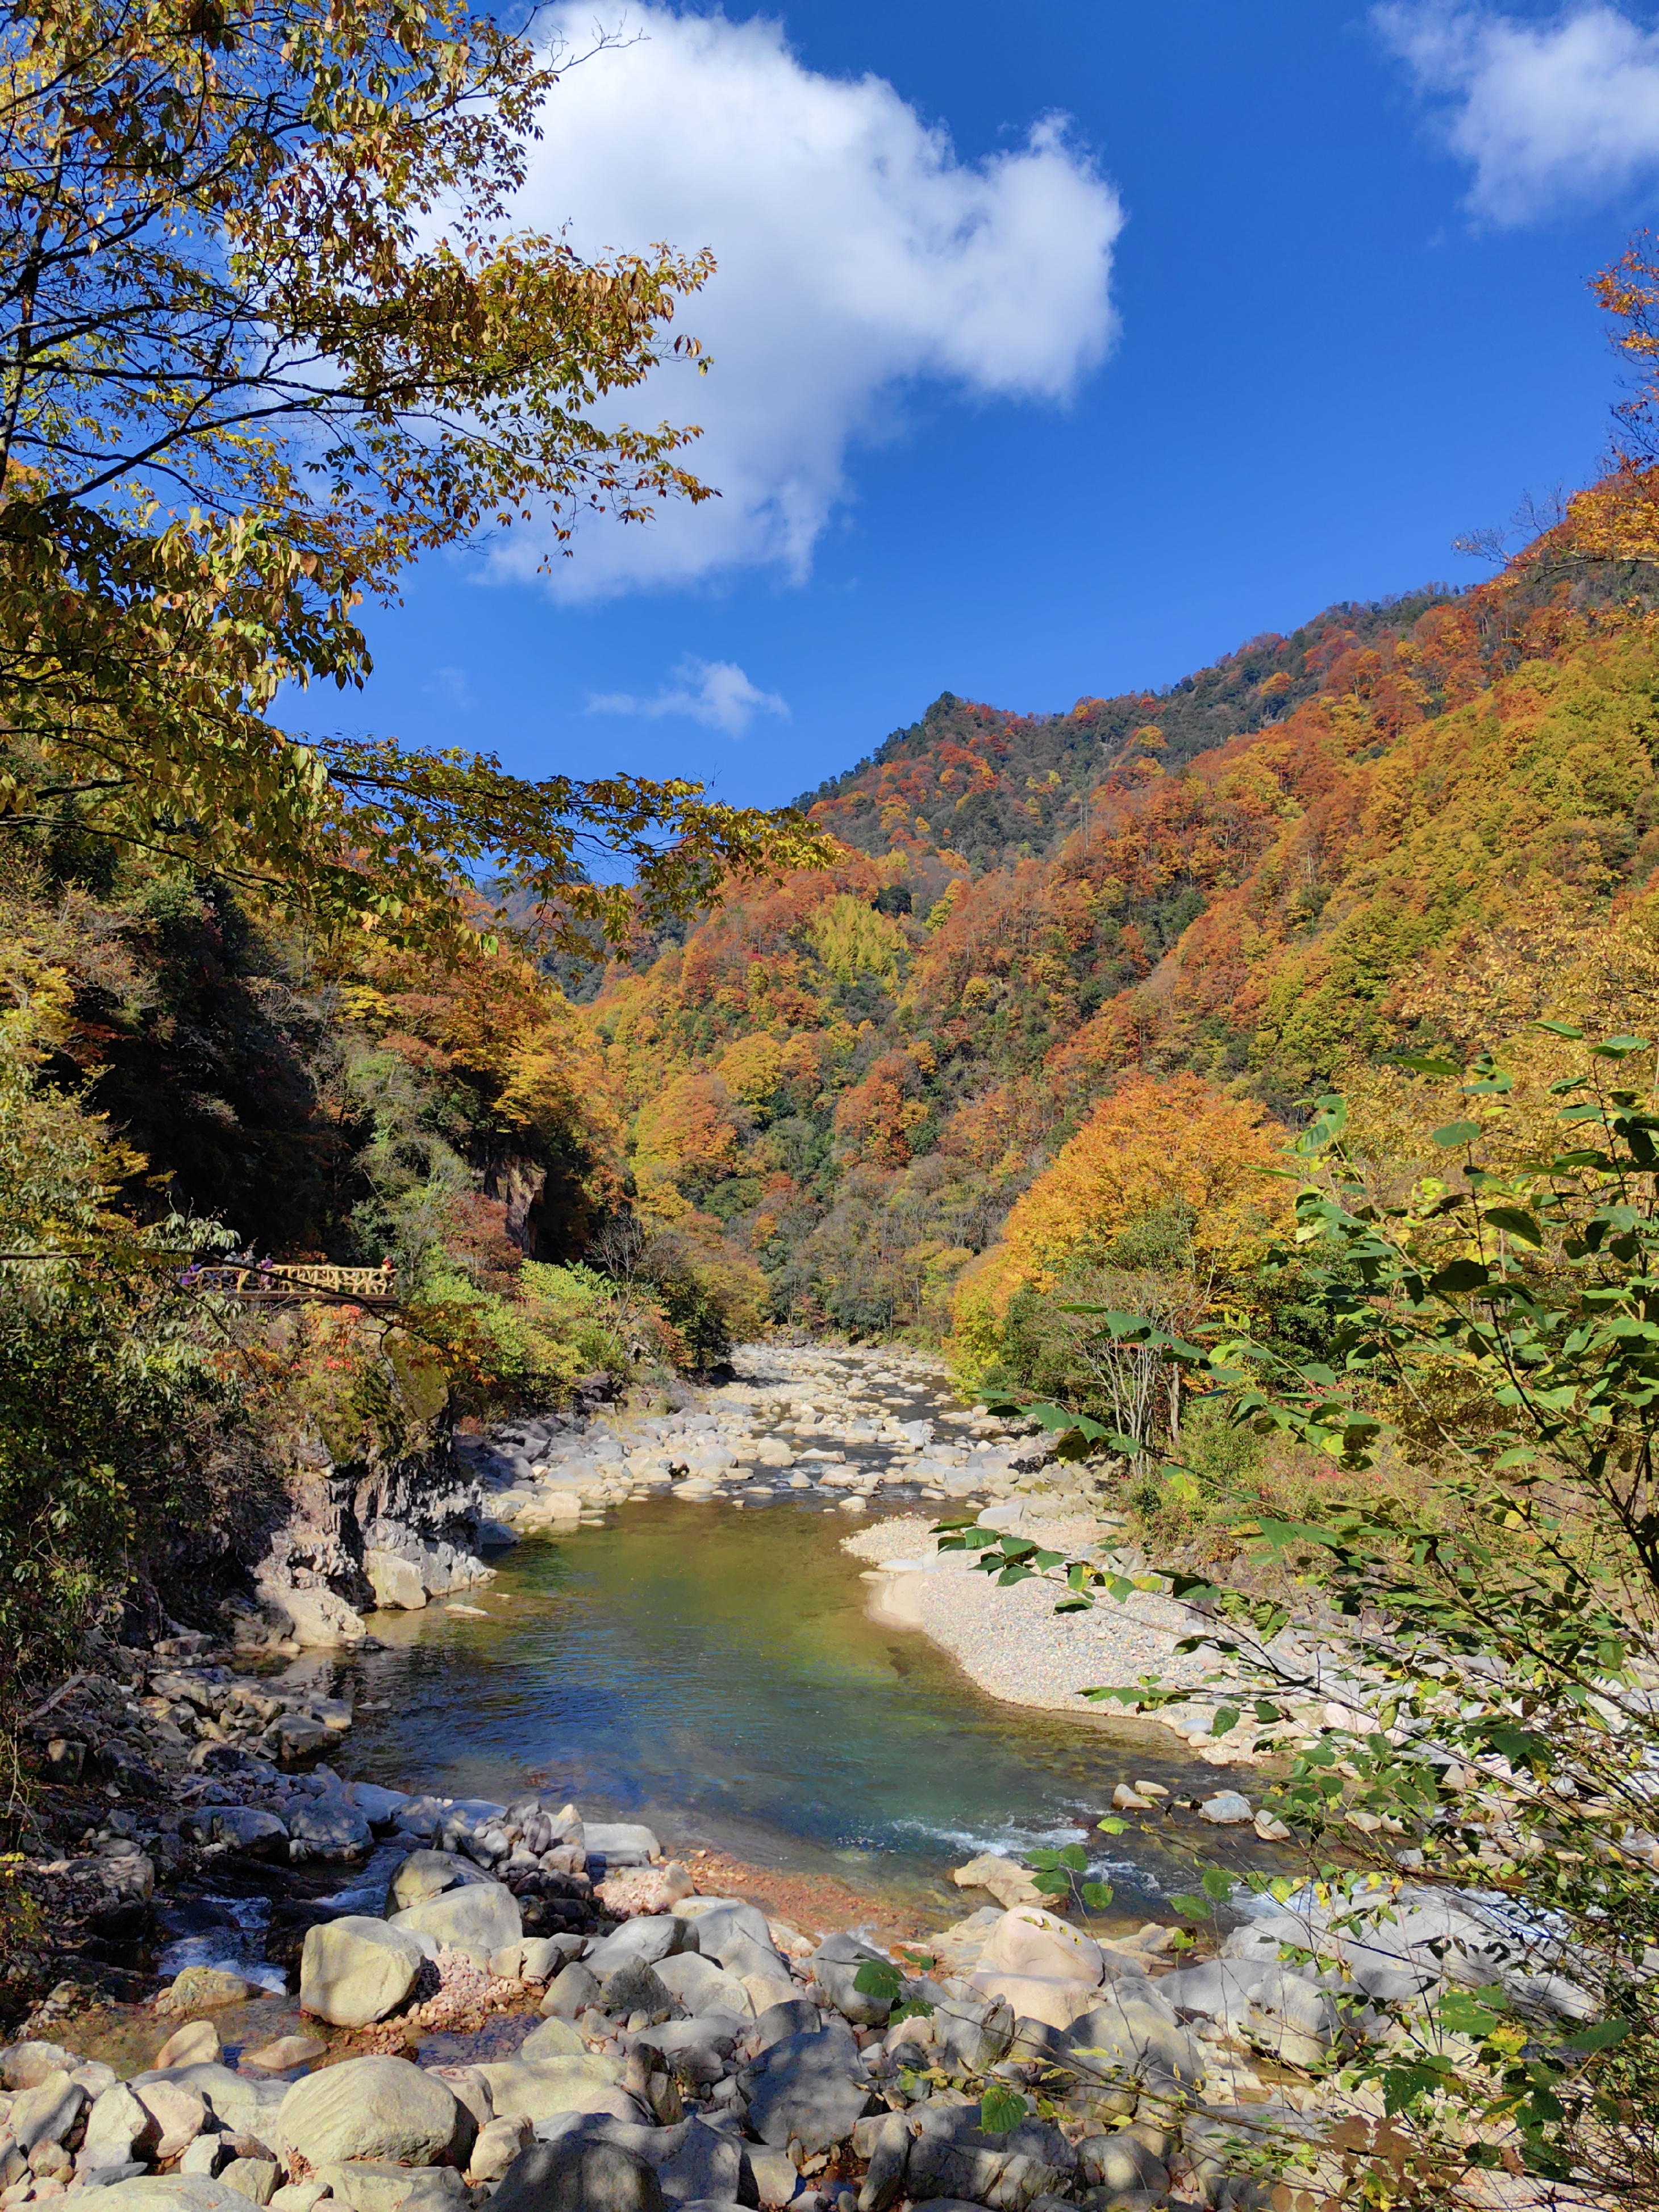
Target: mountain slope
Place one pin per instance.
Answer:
(857, 1073)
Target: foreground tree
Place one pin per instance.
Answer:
(265, 336)
(1495, 1652)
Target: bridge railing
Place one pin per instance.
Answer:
(285, 1280)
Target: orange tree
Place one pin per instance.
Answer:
(267, 335)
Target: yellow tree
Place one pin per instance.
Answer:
(267, 335)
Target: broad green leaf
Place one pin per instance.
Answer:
(1192, 1908)
(1074, 1857)
(1001, 2109)
(1516, 1222)
(1450, 1134)
(878, 1979)
(1096, 1895)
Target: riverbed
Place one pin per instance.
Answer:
(715, 1674)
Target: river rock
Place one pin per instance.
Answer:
(695, 2164)
(24, 2065)
(283, 2056)
(357, 1970)
(196, 2044)
(376, 2186)
(329, 1828)
(553, 2038)
(426, 1875)
(1121, 2162)
(162, 2192)
(1132, 2034)
(635, 1987)
(621, 1843)
(373, 2108)
(697, 2052)
(835, 1967)
(245, 2106)
(647, 1940)
(570, 1993)
(1009, 1882)
(477, 1917)
(256, 2178)
(1228, 1808)
(701, 1984)
(805, 2089)
(246, 1828)
(205, 1989)
(316, 1618)
(45, 2113)
(499, 2142)
(118, 2129)
(938, 2151)
(1041, 1965)
(556, 2086)
(396, 1582)
(644, 1890)
(579, 2174)
(1290, 2019)
(179, 2111)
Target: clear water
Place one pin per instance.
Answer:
(713, 1672)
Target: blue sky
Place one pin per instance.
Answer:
(1295, 294)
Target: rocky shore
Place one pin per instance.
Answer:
(270, 1983)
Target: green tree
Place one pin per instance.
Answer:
(1497, 1652)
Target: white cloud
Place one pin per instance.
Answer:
(1547, 113)
(451, 685)
(723, 699)
(857, 256)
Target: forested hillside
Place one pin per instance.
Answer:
(1255, 878)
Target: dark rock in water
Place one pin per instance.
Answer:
(579, 2174)
(808, 2088)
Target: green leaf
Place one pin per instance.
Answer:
(1458, 1276)
(1001, 2109)
(1192, 1908)
(1096, 1895)
(1111, 1826)
(1598, 2035)
(1559, 1028)
(1620, 1047)
(1450, 1134)
(1074, 1857)
(1227, 1718)
(1516, 1222)
(878, 1979)
(1424, 1063)
(1217, 1883)
(1053, 1884)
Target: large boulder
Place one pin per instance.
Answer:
(1130, 2034)
(579, 2174)
(396, 1582)
(162, 2192)
(376, 2186)
(938, 2150)
(1042, 1967)
(329, 1828)
(373, 2108)
(835, 1967)
(700, 1984)
(695, 2164)
(476, 1917)
(621, 1843)
(47, 2112)
(245, 2106)
(809, 2088)
(652, 1937)
(356, 1970)
(118, 2129)
(542, 2091)
(426, 1875)
(246, 1828)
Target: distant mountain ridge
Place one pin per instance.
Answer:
(1021, 782)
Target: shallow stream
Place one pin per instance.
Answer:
(713, 1672)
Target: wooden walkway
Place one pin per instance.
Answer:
(283, 1282)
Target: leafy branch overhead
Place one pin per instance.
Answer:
(267, 335)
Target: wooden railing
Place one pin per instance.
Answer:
(286, 1280)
